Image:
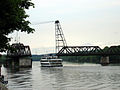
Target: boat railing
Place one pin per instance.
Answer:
(49, 57)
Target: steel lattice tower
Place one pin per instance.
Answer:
(59, 36)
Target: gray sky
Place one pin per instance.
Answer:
(84, 22)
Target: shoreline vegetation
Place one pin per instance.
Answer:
(78, 59)
(82, 59)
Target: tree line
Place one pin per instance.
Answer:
(13, 18)
(93, 59)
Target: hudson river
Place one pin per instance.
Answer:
(70, 77)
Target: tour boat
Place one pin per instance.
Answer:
(51, 61)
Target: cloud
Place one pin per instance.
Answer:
(68, 7)
(76, 3)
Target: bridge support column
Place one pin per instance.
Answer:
(104, 60)
(25, 62)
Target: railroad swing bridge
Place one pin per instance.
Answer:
(19, 50)
(88, 51)
(79, 51)
(63, 50)
(19, 55)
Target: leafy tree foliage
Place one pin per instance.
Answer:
(13, 17)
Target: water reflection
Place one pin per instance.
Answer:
(82, 77)
(55, 77)
(19, 78)
(69, 77)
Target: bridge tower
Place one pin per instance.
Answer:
(59, 36)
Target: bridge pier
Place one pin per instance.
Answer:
(104, 60)
(20, 62)
(25, 62)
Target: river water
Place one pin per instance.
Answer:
(70, 77)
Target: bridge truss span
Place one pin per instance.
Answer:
(80, 51)
(63, 50)
(88, 51)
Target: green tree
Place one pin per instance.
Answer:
(105, 49)
(13, 17)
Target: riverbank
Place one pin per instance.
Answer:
(115, 59)
(3, 87)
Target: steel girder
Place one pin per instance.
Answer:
(88, 50)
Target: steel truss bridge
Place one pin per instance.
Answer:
(63, 50)
(88, 51)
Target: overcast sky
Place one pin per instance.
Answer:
(84, 22)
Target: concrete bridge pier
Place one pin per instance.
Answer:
(25, 62)
(21, 62)
(104, 60)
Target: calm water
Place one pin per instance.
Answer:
(70, 77)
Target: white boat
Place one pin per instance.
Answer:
(51, 61)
